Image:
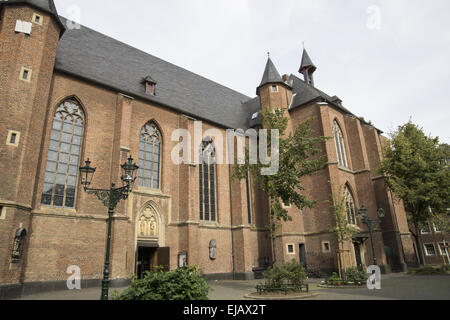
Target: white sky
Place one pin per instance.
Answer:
(388, 75)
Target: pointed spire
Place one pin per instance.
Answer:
(307, 63)
(271, 74)
(307, 68)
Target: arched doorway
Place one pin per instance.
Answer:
(150, 250)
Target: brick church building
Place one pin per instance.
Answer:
(69, 94)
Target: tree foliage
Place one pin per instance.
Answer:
(415, 169)
(342, 230)
(298, 157)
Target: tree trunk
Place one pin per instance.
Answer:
(274, 249)
(340, 264)
(274, 240)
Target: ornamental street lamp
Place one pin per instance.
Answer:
(371, 224)
(110, 199)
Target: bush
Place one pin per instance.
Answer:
(281, 275)
(445, 268)
(429, 270)
(352, 276)
(181, 284)
(356, 276)
(334, 280)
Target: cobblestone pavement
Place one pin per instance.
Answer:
(394, 287)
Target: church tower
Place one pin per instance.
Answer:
(29, 35)
(274, 93)
(307, 68)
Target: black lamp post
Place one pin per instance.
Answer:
(371, 224)
(110, 199)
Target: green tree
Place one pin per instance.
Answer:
(342, 230)
(414, 168)
(299, 156)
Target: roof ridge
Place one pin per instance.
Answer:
(160, 59)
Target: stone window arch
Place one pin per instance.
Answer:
(349, 205)
(340, 145)
(63, 158)
(207, 176)
(150, 156)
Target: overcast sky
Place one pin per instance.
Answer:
(388, 60)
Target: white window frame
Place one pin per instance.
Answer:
(426, 251)
(30, 73)
(16, 142)
(41, 18)
(324, 250)
(293, 249)
(440, 249)
(274, 88)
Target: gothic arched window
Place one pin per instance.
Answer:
(63, 159)
(349, 206)
(340, 145)
(207, 174)
(150, 157)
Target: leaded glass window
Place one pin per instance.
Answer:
(349, 206)
(150, 157)
(340, 145)
(207, 175)
(63, 159)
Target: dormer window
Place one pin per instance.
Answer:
(150, 88)
(150, 85)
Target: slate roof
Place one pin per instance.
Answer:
(306, 62)
(45, 5)
(271, 74)
(303, 93)
(96, 57)
(254, 106)
(99, 58)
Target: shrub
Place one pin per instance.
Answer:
(445, 268)
(181, 284)
(356, 276)
(428, 270)
(281, 275)
(334, 280)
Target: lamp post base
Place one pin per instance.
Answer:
(105, 290)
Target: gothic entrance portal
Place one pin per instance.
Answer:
(149, 253)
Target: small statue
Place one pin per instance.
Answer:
(212, 250)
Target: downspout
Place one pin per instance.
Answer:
(231, 224)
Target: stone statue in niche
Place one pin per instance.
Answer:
(212, 250)
(148, 224)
